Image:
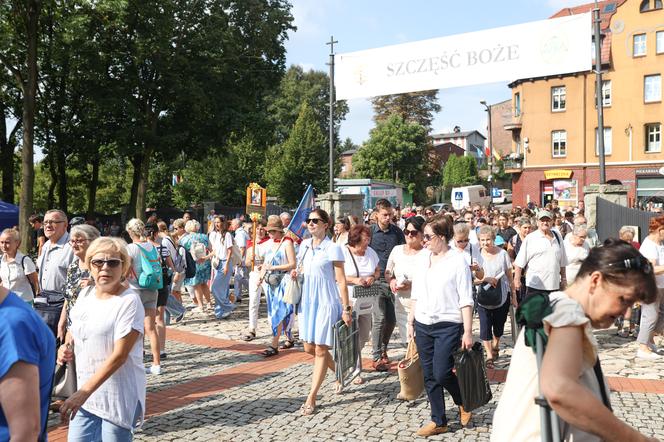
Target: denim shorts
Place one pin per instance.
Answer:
(87, 427)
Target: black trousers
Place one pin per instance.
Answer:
(384, 321)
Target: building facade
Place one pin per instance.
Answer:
(554, 119)
(470, 142)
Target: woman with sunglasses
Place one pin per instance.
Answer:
(324, 299)
(440, 318)
(400, 268)
(78, 273)
(471, 252)
(106, 336)
(610, 280)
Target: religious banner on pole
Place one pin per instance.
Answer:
(535, 49)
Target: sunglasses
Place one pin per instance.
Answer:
(111, 263)
(313, 220)
(410, 232)
(461, 240)
(428, 237)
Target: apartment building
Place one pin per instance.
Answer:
(554, 119)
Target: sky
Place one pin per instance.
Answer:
(367, 24)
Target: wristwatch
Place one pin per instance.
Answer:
(348, 309)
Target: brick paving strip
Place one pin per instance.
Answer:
(183, 394)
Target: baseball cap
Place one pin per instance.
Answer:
(544, 214)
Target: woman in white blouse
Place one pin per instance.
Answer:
(106, 334)
(441, 318)
(400, 270)
(576, 249)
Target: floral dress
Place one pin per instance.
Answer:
(73, 285)
(203, 270)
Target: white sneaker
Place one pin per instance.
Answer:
(648, 355)
(154, 369)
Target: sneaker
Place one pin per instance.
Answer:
(191, 305)
(225, 315)
(647, 355)
(154, 369)
(431, 429)
(464, 416)
(179, 318)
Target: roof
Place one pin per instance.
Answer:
(462, 134)
(349, 152)
(607, 9)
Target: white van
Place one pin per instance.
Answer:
(468, 196)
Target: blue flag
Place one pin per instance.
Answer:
(297, 226)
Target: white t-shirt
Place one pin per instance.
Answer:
(441, 289)
(14, 276)
(498, 265)
(575, 257)
(219, 247)
(241, 238)
(97, 324)
(367, 266)
(654, 252)
(544, 258)
(472, 253)
(402, 266)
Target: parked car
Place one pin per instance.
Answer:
(438, 207)
(504, 196)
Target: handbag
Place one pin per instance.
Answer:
(64, 380)
(411, 376)
(360, 291)
(471, 373)
(274, 279)
(292, 291)
(490, 296)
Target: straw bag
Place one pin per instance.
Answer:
(411, 377)
(292, 291)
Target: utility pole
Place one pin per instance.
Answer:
(488, 111)
(599, 95)
(331, 64)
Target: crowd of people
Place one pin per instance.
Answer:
(433, 272)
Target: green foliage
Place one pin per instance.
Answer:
(301, 160)
(460, 171)
(414, 107)
(396, 151)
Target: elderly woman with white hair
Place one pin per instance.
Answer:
(577, 250)
(17, 271)
(78, 273)
(198, 245)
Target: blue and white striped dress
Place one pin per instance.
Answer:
(278, 312)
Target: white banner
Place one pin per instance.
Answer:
(535, 49)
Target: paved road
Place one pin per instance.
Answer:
(215, 387)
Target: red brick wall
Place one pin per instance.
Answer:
(529, 182)
(501, 114)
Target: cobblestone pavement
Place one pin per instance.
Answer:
(215, 387)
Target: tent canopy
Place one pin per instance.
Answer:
(8, 215)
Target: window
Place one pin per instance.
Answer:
(611, 7)
(558, 98)
(517, 104)
(649, 5)
(559, 143)
(606, 93)
(652, 88)
(608, 141)
(639, 48)
(654, 137)
(660, 42)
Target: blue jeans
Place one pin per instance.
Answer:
(173, 308)
(221, 290)
(436, 344)
(86, 427)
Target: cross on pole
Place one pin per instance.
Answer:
(331, 64)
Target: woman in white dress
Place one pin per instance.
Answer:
(401, 266)
(106, 334)
(324, 299)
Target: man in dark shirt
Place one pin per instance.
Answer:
(38, 236)
(504, 230)
(384, 236)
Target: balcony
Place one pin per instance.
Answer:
(513, 164)
(515, 124)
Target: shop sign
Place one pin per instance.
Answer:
(557, 174)
(650, 171)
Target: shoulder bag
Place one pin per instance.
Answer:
(360, 291)
(64, 380)
(293, 289)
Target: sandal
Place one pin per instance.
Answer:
(270, 351)
(358, 380)
(286, 345)
(338, 388)
(249, 336)
(489, 364)
(495, 353)
(307, 410)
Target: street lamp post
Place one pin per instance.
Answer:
(488, 110)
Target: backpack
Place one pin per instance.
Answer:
(189, 265)
(150, 276)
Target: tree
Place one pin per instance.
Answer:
(413, 107)
(396, 151)
(19, 21)
(301, 160)
(460, 171)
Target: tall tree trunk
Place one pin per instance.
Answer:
(92, 188)
(62, 173)
(29, 108)
(50, 197)
(136, 162)
(142, 188)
